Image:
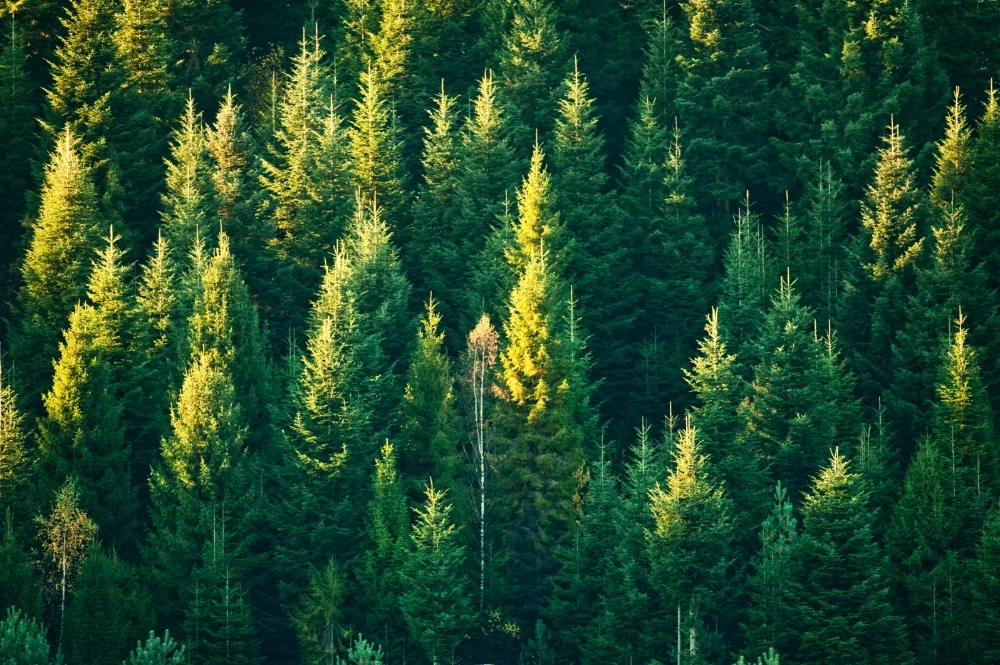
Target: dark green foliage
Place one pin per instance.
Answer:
(840, 605)
(20, 585)
(531, 60)
(156, 651)
(436, 602)
(108, 613)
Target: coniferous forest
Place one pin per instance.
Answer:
(520, 332)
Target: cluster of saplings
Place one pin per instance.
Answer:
(419, 345)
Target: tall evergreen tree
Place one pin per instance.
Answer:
(981, 193)
(204, 472)
(55, 267)
(428, 430)
(531, 60)
(894, 218)
(375, 148)
(720, 101)
(690, 546)
(436, 602)
(749, 274)
(15, 454)
(188, 203)
(840, 606)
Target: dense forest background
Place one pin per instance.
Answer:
(499, 331)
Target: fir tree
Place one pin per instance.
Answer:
(771, 584)
(17, 110)
(225, 320)
(109, 610)
(375, 147)
(894, 217)
(82, 434)
(980, 196)
(720, 101)
(436, 602)
(435, 232)
(531, 60)
(981, 631)
(840, 604)
(689, 546)
(20, 585)
(427, 413)
(823, 258)
(55, 267)
(954, 157)
(187, 203)
(801, 395)
(320, 607)
(204, 470)
(381, 570)
(15, 455)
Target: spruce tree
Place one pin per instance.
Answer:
(376, 148)
(982, 630)
(82, 434)
(225, 320)
(17, 111)
(840, 605)
(55, 266)
(20, 585)
(801, 396)
(436, 602)
(981, 191)
(381, 565)
(596, 263)
(894, 220)
(689, 546)
(204, 472)
(435, 234)
(531, 60)
(675, 260)
(822, 253)
(109, 611)
(15, 454)
(771, 585)
(187, 205)
(954, 157)
(721, 102)
(748, 275)
(428, 432)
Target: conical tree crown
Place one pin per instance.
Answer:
(187, 204)
(954, 157)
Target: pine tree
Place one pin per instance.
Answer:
(436, 602)
(22, 641)
(108, 612)
(188, 202)
(157, 651)
(531, 60)
(840, 606)
(381, 566)
(55, 267)
(428, 431)
(689, 546)
(720, 101)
